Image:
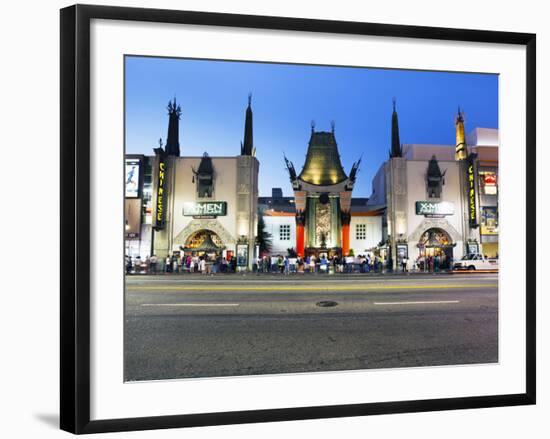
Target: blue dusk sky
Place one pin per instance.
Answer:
(286, 98)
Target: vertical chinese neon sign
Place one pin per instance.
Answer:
(160, 215)
(471, 185)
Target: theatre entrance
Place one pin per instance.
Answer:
(204, 243)
(436, 243)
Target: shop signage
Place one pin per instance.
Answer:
(205, 208)
(471, 188)
(160, 206)
(435, 208)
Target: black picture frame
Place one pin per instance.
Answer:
(75, 217)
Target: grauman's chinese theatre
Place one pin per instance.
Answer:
(322, 194)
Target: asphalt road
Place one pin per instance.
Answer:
(193, 326)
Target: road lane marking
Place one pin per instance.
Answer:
(423, 302)
(189, 304)
(308, 288)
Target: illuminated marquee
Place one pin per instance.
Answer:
(160, 214)
(471, 186)
(431, 208)
(205, 208)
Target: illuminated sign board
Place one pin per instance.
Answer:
(160, 205)
(489, 220)
(132, 167)
(433, 208)
(488, 182)
(471, 193)
(205, 208)
(242, 255)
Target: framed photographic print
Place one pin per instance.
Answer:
(268, 218)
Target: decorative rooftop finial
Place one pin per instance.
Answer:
(332, 126)
(460, 114)
(247, 145)
(461, 150)
(396, 149)
(290, 168)
(172, 139)
(312, 126)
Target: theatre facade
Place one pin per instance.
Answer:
(321, 217)
(205, 206)
(426, 200)
(439, 200)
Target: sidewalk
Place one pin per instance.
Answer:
(314, 275)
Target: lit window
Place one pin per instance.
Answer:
(360, 231)
(284, 232)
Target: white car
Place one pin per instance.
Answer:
(476, 262)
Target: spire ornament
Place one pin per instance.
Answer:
(172, 140)
(247, 145)
(461, 150)
(396, 148)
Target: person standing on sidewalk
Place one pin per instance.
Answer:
(137, 265)
(202, 265)
(280, 264)
(128, 264)
(287, 265)
(312, 264)
(174, 264)
(153, 264)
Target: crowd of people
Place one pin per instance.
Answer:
(434, 263)
(176, 263)
(283, 264)
(318, 264)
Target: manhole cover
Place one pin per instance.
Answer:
(326, 303)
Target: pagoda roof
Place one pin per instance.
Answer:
(323, 166)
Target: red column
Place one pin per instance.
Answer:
(346, 220)
(345, 239)
(300, 239)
